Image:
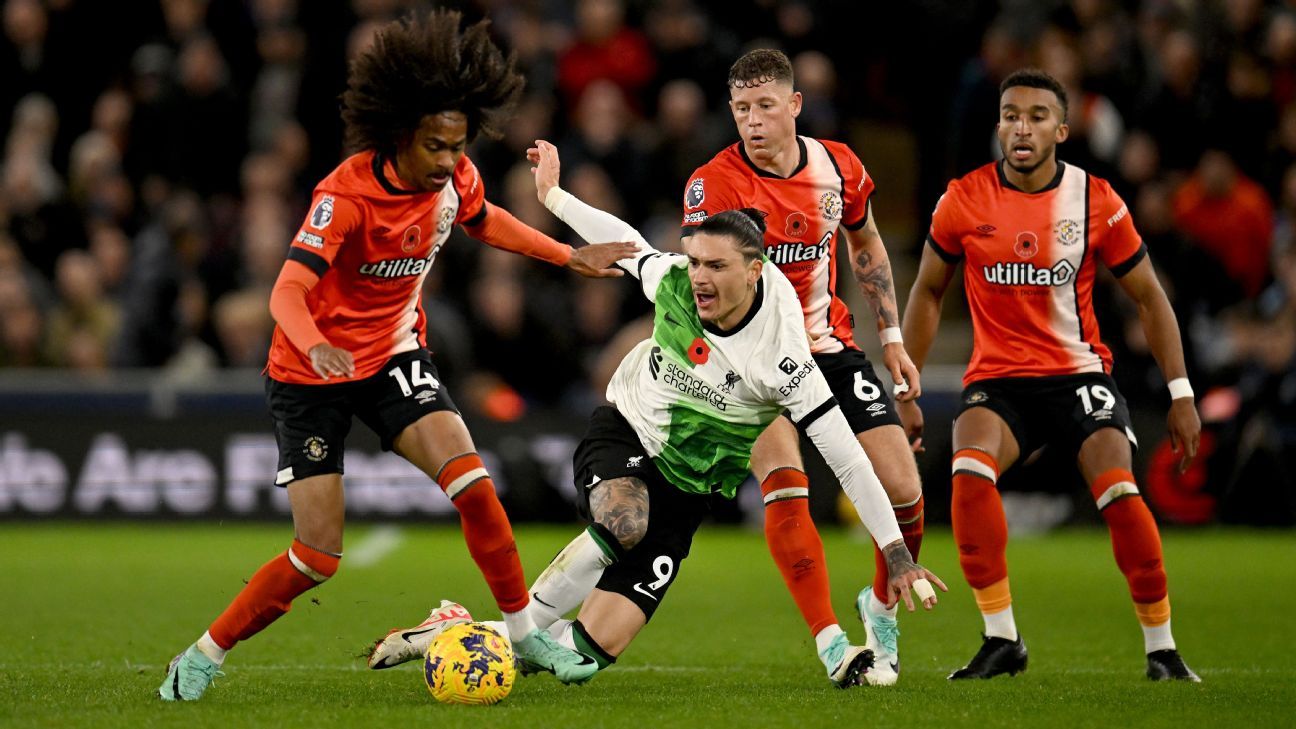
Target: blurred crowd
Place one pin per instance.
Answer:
(152, 176)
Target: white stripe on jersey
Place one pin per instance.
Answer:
(1071, 204)
(818, 298)
(405, 338)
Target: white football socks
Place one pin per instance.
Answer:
(825, 637)
(208, 648)
(877, 607)
(1000, 624)
(1158, 638)
(519, 624)
(569, 579)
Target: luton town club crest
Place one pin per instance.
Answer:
(831, 206)
(1067, 232)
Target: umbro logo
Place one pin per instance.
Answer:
(986, 229)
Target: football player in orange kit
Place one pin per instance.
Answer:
(810, 190)
(1030, 231)
(351, 339)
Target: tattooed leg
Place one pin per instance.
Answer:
(620, 510)
(621, 506)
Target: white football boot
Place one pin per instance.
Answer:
(407, 644)
(847, 665)
(883, 639)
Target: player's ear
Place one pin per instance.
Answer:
(795, 104)
(754, 271)
(1063, 131)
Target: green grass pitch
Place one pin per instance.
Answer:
(91, 613)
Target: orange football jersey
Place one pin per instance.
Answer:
(372, 244)
(1029, 268)
(803, 212)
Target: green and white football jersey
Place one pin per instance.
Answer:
(698, 397)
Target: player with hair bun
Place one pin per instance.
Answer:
(728, 355)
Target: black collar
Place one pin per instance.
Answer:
(805, 158)
(1057, 178)
(751, 313)
(379, 162)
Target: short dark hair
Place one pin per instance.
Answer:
(1033, 78)
(760, 66)
(746, 227)
(421, 65)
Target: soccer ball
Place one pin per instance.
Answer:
(469, 663)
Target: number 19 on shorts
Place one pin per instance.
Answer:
(1100, 393)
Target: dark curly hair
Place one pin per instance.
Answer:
(760, 66)
(423, 65)
(1034, 78)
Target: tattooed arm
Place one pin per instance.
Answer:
(903, 573)
(872, 268)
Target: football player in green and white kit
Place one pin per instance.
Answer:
(728, 354)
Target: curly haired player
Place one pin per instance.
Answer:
(350, 338)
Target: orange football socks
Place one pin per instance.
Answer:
(270, 592)
(795, 545)
(910, 518)
(981, 533)
(486, 529)
(1137, 546)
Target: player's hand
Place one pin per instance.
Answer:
(595, 260)
(1185, 430)
(330, 361)
(904, 573)
(911, 419)
(903, 372)
(545, 158)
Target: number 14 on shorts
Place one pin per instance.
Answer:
(417, 378)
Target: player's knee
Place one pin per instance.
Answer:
(316, 564)
(975, 464)
(904, 490)
(620, 505)
(627, 528)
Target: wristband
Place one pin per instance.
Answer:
(891, 335)
(1179, 388)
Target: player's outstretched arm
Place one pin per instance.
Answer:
(872, 268)
(842, 452)
(499, 229)
(1161, 328)
(592, 224)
